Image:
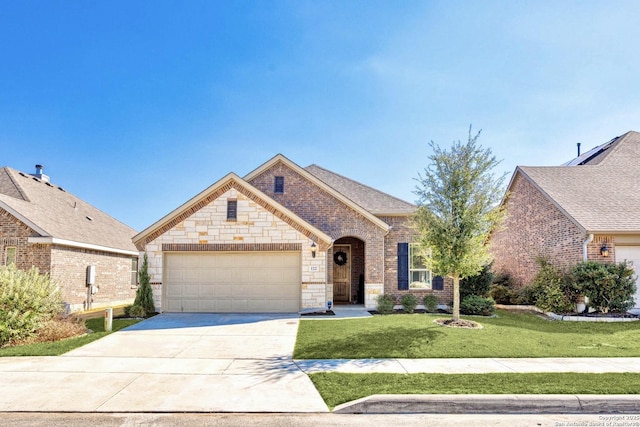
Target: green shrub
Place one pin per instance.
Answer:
(136, 311)
(609, 287)
(28, 300)
(144, 294)
(430, 303)
(385, 304)
(501, 294)
(409, 303)
(479, 284)
(477, 305)
(523, 296)
(553, 290)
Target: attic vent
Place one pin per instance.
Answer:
(61, 189)
(22, 174)
(49, 184)
(36, 179)
(89, 218)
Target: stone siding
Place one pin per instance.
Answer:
(254, 226)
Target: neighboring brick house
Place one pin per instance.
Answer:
(586, 209)
(43, 225)
(284, 239)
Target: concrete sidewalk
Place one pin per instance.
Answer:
(472, 366)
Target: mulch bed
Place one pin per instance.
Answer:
(460, 323)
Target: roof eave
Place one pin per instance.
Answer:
(48, 240)
(548, 197)
(309, 176)
(23, 219)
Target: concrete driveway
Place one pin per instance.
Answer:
(170, 363)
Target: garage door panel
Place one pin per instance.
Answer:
(233, 282)
(174, 305)
(190, 291)
(206, 291)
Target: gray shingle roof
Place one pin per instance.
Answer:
(372, 200)
(59, 214)
(601, 197)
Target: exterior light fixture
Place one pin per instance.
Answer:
(314, 248)
(604, 250)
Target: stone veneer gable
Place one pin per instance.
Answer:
(255, 229)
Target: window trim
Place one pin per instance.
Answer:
(278, 185)
(134, 272)
(232, 209)
(429, 283)
(13, 249)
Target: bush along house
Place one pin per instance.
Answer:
(284, 239)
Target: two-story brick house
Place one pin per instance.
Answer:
(586, 209)
(284, 239)
(43, 225)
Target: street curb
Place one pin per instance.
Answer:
(492, 403)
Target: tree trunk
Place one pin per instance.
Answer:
(456, 297)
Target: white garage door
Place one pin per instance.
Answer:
(632, 254)
(253, 282)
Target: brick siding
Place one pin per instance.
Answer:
(67, 266)
(325, 212)
(535, 227)
(401, 231)
(113, 276)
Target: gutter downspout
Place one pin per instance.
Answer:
(584, 247)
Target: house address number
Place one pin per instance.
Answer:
(313, 268)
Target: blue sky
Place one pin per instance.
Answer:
(136, 106)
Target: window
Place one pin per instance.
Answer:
(10, 255)
(278, 186)
(134, 272)
(419, 274)
(232, 210)
(412, 268)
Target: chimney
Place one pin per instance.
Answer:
(578, 149)
(40, 174)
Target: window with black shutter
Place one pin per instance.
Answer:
(278, 186)
(438, 283)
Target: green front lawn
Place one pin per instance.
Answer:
(336, 388)
(57, 348)
(507, 335)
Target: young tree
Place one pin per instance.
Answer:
(144, 295)
(458, 208)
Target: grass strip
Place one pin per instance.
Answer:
(506, 335)
(338, 388)
(57, 348)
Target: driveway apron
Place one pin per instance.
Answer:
(170, 363)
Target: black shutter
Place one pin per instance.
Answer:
(438, 283)
(403, 266)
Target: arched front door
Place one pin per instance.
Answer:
(348, 271)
